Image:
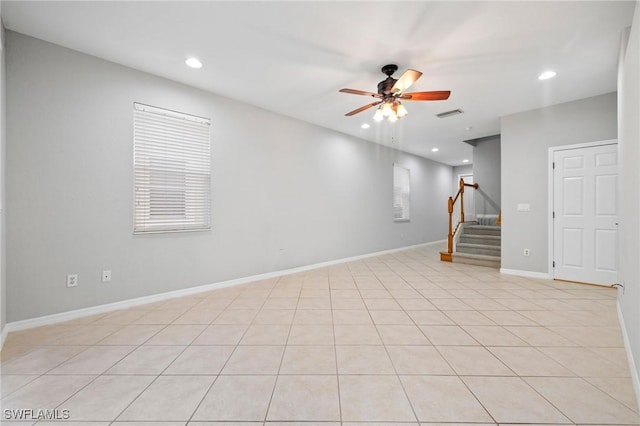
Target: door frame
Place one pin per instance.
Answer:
(550, 193)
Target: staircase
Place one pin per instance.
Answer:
(478, 245)
(478, 242)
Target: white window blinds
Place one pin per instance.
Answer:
(401, 193)
(172, 168)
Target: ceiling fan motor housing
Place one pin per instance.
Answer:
(384, 87)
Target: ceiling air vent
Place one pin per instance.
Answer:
(449, 113)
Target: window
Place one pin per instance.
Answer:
(172, 169)
(401, 193)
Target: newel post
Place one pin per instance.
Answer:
(461, 200)
(450, 235)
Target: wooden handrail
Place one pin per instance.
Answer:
(450, 206)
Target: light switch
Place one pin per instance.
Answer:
(524, 207)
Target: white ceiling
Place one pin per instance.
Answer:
(293, 57)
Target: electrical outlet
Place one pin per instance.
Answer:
(526, 252)
(72, 280)
(106, 276)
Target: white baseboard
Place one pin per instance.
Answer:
(110, 307)
(632, 364)
(528, 274)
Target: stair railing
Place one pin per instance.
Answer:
(457, 218)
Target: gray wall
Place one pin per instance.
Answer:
(285, 193)
(526, 138)
(629, 178)
(486, 172)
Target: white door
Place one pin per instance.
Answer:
(469, 198)
(585, 182)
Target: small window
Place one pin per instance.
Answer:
(401, 193)
(172, 169)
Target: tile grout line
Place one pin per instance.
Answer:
(284, 351)
(461, 283)
(458, 376)
(397, 376)
(157, 376)
(197, 407)
(335, 350)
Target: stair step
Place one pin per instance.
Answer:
(489, 240)
(489, 250)
(487, 219)
(482, 230)
(476, 259)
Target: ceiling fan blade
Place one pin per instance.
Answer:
(360, 92)
(405, 81)
(356, 111)
(437, 95)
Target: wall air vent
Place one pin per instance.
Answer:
(449, 113)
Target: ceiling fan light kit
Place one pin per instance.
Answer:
(390, 91)
(400, 110)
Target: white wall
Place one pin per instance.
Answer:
(629, 189)
(285, 193)
(526, 139)
(3, 281)
(486, 172)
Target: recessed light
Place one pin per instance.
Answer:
(434, 150)
(465, 161)
(547, 75)
(193, 63)
(365, 126)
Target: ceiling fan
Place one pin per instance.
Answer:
(391, 91)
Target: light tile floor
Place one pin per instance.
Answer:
(400, 338)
